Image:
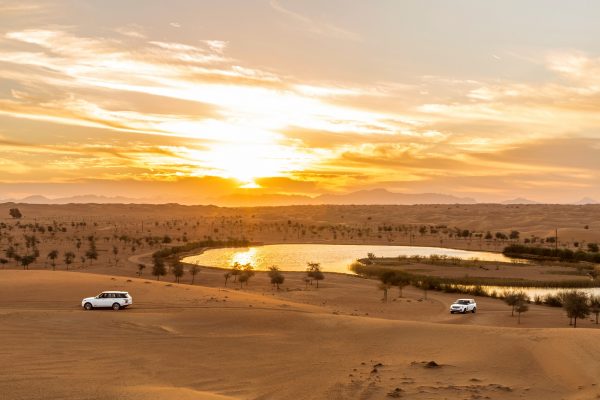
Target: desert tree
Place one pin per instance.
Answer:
(520, 307)
(177, 270)
(15, 213)
(401, 282)
(115, 251)
(53, 255)
(246, 273)
(141, 268)
(26, 260)
(426, 285)
(227, 275)
(69, 257)
(158, 268)
(276, 276)
(3, 262)
(513, 298)
(314, 273)
(91, 253)
(193, 272)
(236, 270)
(576, 305)
(386, 280)
(594, 306)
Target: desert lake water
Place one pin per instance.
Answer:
(332, 257)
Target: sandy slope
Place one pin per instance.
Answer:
(184, 342)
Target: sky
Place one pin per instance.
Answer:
(191, 101)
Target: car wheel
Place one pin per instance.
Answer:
(464, 311)
(451, 312)
(88, 306)
(474, 310)
(116, 306)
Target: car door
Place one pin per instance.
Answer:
(103, 300)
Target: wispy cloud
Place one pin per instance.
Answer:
(315, 26)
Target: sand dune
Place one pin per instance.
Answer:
(207, 342)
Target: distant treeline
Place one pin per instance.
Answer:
(532, 252)
(175, 250)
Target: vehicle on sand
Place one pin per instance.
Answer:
(463, 306)
(109, 299)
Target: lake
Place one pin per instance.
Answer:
(332, 257)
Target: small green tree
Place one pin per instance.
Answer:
(386, 280)
(141, 268)
(243, 278)
(247, 272)
(276, 276)
(576, 305)
(53, 255)
(92, 253)
(115, 251)
(15, 213)
(158, 268)
(227, 275)
(193, 272)
(313, 272)
(520, 307)
(513, 298)
(177, 268)
(26, 260)
(236, 270)
(69, 257)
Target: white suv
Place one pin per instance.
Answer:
(463, 305)
(112, 299)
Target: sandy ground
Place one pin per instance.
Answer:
(337, 342)
(210, 342)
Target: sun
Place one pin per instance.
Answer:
(247, 162)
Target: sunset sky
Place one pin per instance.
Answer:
(193, 100)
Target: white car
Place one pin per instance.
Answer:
(113, 299)
(463, 306)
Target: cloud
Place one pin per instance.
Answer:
(322, 28)
(216, 115)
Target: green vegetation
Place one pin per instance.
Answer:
(514, 298)
(15, 213)
(276, 276)
(314, 273)
(520, 308)
(546, 253)
(193, 272)
(576, 305)
(464, 284)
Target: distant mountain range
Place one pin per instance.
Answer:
(249, 198)
(586, 200)
(519, 200)
(383, 196)
(88, 198)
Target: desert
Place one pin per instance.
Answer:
(299, 199)
(210, 341)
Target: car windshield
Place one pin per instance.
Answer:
(462, 302)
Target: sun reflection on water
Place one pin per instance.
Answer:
(245, 257)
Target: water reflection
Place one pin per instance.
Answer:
(333, 258)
